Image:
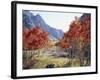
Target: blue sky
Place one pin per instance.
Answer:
(57, 20)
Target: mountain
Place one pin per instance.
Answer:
(30, 21)
(84, 15)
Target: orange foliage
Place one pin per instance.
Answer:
(79, 32)
(35, 38)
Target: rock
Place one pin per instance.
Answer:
(50, 66)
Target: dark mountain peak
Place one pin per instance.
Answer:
(27, 13)
(38, 15)
(39, 18)
(84, 16)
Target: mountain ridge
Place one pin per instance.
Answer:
(30, 21)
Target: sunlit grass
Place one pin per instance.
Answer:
(43, 61)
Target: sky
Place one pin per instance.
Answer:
(58, 20)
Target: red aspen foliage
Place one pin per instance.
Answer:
(35, 38)
(79, 33)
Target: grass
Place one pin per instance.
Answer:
(38, 62)
(43, 61)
